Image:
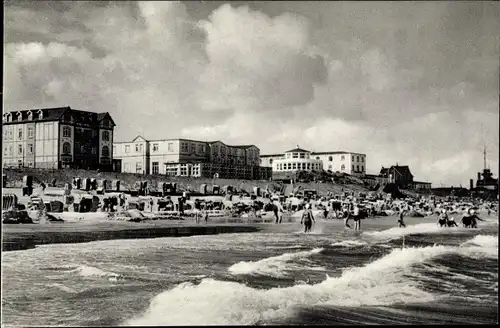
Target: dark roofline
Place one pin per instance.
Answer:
(297, 150)
(422, 182)
(272, 155)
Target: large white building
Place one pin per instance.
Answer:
(333, 161)
(185, 157)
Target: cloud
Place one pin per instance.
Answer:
(258, 63)
(401, 82)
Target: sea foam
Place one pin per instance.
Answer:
(384, 281)
(275, 266)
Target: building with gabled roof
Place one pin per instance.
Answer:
(57, 137)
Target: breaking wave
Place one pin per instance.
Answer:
(349, 243)
(275, 266)
(396, 278)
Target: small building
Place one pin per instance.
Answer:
(421, 186)
(399, 175)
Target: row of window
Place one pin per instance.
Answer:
(31, 133)
(8, 116)
(305, 155)
(298, 166)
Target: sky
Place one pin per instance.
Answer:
(413, 83)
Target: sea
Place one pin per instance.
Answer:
(421, 274)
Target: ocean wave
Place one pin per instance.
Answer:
(85, 271)
(385, 281)
(275, 266)
(349, 243)
(421, 228)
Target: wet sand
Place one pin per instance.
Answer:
(25, 236)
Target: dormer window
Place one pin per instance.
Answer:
(19, 116)
(40, 114)
(5, 117)
(9, 117)
(30, 115)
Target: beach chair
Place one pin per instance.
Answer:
(9, 202)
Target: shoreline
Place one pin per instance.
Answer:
(28, 236)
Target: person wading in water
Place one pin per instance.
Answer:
(443, 219)
(401, 219)
(307, 218)
(357, 218)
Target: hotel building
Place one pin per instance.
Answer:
(57, 138)
(333, 161)
(186, 157)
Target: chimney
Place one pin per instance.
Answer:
(478, 176)
(471, 184)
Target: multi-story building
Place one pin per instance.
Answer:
(185, 157)
(57, 138)
(333, 161)
(286, 167)
(133, 155)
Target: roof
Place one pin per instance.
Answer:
(401, 169)
(297, 150)
(272, 155)
(329, 152)
(56, 114)
(422, 182)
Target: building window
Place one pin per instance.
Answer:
(184, 147)
(31, 132)
(317, 157)
(343, 166)
(138, 167)
(136, 148)
(67, 132)
(20, 149)
(170, 146)
(357, 168)
(352, 167)
(155, 147)
(362, 159)
(126, 167)
(105, 135)
(295, 155)
(127, 149)
(330, 167)
(352, 158)
(20, 133)
(308, 166)
(10, 150)
(156, 167)
(330, 158)
(270, 161)
(105, 151)
(114, 149)
(66, 148)
(357, 158)
(94, 150)
(183, 170)
(362, 167)
(302, 155)
(342, 157)
(289, 166)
